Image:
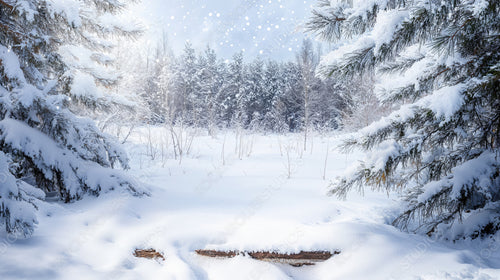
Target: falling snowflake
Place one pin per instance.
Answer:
(230, 26)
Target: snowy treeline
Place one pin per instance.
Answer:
(200, 89)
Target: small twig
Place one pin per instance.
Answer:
(461, 26)
(441, 72)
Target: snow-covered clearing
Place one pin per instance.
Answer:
(212, 199)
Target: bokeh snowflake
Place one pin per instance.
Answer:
(269, 28)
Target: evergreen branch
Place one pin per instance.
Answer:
(7, 5)
(112, 7)
(16, 36)
(460, 28)
(442, 71)
(327, 27)
(355, 63)
(423, 210)
(399, 66)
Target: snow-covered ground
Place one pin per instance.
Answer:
(273, 198)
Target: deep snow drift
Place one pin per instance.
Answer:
(273, 198)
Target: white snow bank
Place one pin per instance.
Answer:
(247, 204)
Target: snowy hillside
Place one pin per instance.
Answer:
(214, 200)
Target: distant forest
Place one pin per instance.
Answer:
(202, 90)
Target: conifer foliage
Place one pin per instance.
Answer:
(53, 64)
(438, 61)
(200, 90)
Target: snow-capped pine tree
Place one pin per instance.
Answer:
(439, 60)
(211, 81)
(273, 90)
(292, 98)
(186, 87)
(52, 64)
(328, 103)
(254, 96)
(231, 97)
(155, 86)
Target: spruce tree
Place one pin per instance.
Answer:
(186, 80)
(52, 64)
(293, 96)
(211, 79)
(156, 83)
(439, 62)
(273, 90)
(253, 97)
(231, 97)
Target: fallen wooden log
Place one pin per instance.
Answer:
(148, 254)
(316, 255)
(217, 254)
(295, 259)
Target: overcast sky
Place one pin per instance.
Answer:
(270, 28)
